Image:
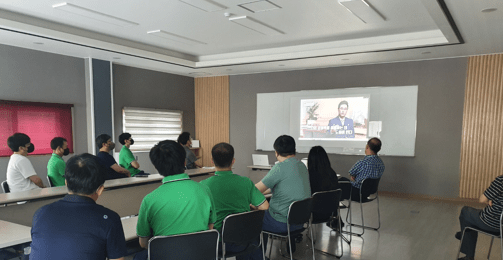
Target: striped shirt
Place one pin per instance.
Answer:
(490, 215)
(370, 167)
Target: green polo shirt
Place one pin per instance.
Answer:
(232, 194)
(56, 170)
(180, 205)
(126, 157)
(289, 182)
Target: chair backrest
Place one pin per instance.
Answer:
(325, 204)
(50, 182)
(243, 228)
(197, 246)
(369, 187)
(5, 187)
(300, 211)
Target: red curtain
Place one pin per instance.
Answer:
(40, 121)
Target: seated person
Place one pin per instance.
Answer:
(191, 159)
(487, 219)
(370, 167)
(21, 175)
(180, 205)
(75, 227)
(126, 157)
(321, 175)
(288, 181)
(114, 171)
(56, 165)
(231, 193)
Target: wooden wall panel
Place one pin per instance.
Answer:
(212, 113)
(482, 138)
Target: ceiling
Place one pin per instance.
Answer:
(249, 36)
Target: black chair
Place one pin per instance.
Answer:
(196, 246)
(369, 191)
(492, 235)
(299, 213)
(325, 209)
(5, 187)
(50, 182)
(242, 229)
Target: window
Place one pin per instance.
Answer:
(149, 126)
(40, 121)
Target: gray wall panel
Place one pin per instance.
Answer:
(27, 75)
(134, 87)
(102, 98)
(435, 168)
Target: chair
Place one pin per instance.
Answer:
(370, 187)
(299, 213)
(492, 235)
(5, 187)
(325, 208)
(242, 229)
(196, 246)
(50, 182)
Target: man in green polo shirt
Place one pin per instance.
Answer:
(180, 205)
(126, 157)
(56, 165)
(232, 193)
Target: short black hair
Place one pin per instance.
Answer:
(374, 144)
(168, 157)
(16, 140)
(123, 137)
(344, 102)
(223, 154)
(102, 139)
(83, 174)
(285, 145)
(57, 142)
(183, 138)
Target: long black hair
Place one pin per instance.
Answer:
(321, 175)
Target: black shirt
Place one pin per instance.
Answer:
(106, 160)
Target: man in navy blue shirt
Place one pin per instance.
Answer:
(75, 227)
(341, 126)
(114, 171)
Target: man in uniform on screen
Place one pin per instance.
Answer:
(341, 126)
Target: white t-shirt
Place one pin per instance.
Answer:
(19, 171)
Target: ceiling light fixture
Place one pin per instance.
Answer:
(174, 37)
(38, 43)
(255, 25)
(259, 6)
(74, 9)
(345, 59)
(426, 52)
(281, 65)
(205, 5)
(488, 10)
(362, 10)
(116, 58)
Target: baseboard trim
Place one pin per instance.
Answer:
(428, 197)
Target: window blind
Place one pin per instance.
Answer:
(148, 126)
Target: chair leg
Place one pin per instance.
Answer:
(270, 247)
(223, 250)
(363, 224)
(490, 247)
(262, 243)
(312, 242)
(289, 241)
(460, 243)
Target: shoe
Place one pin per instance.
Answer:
(466, 258)
(334, 225)
(458, 235)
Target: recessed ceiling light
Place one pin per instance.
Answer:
(281, 65)
(488, 10)
(345, 59)
(362, 10)
(426, 52)
(174, 37)
(228, 69)
(255, 25)
(78, 10)
(205, 5)
(117, 58)
(39, 43)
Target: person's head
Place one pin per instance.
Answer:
(125, 138)
(318, 166)
(184, 138)
(343, 108)
(168, 157)
(105, 141)
(59, 146)
(373, 146)
(223, 155)
(84, 175)
(284, 146)
(20, 143)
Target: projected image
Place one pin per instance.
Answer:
(334, 118)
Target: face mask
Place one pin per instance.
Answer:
(67, 151)
(132, 141)
(31, 148)
(112, 146)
